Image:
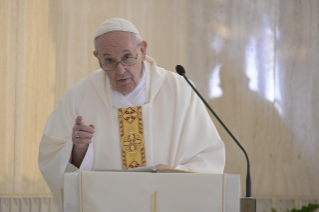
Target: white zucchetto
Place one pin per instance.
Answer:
(115, 24)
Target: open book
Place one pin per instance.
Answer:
(146, 169)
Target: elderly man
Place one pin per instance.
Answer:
(128, 114)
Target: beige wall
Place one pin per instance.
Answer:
(263, 52)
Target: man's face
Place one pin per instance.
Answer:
(116, 46)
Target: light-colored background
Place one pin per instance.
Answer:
(255, 61)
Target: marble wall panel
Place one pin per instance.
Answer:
(297, 47)
(256, 62)
(286, 204)
(27, 204)
(265, 204)
(231, 42)
(306, 201)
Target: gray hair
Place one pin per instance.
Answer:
(137, 37)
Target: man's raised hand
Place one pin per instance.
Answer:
(81, 136)
(159, 166)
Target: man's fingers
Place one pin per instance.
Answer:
(83, 128)
(79, 120)
(83, 134)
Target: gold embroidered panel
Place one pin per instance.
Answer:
(132, 137)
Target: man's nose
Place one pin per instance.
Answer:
(120, 69)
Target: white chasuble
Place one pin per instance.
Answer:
(177, 129)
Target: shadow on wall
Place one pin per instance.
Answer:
(255, 122)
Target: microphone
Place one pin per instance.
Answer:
(180, 70)
(247, 204)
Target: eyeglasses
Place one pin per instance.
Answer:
(111, 64)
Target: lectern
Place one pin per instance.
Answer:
(151, 192)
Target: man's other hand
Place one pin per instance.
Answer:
(161, 166)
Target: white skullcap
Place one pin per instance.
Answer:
(115, 24)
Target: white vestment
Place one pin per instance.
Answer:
(177, 127)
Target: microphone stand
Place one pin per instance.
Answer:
(247, 204)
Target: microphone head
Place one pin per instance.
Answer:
(180, 70)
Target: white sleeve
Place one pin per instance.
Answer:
(87, 163)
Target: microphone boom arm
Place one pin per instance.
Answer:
(248, 180)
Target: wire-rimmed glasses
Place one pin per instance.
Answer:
(111, 64)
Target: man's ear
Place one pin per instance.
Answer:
(143, 47)
(95, 53)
